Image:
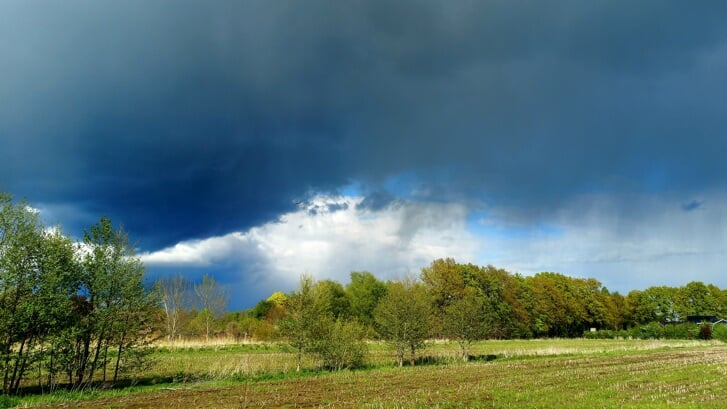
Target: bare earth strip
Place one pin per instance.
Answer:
(682, 377)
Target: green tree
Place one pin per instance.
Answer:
(497, 289)
(270, 309)
(445, 280)
(278, 301)
(115, 310)
(518, 297)
(617, 310)
(333, 298)
(403, 318)
(696, 298)
(560, 305)
(655, 304)
(465, 320)
(20, 240)
(261, 309)
(299, 323)
(501, 314)
(364, 292)
(38, 275)
(595, 300)
(61, 272)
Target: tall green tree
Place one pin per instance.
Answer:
(466, 320)
(454, 286)
(333, 298)
(655, 304)
(299, 323)
(516, 295)
(57, 293)
(116, 308)
(364, 292)
(696, 298)
(445, 280)
(492, 285)
(37, 277)
(403, 318)
(559, 307)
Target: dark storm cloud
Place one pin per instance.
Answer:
(186, 119)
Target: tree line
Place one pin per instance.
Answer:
(466, 303)
(462, 302)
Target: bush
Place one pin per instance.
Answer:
(652, 330)
(719, 332)
(680, 331)
(341, 345)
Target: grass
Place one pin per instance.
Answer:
(538, 373)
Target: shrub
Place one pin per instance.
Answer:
(719, 332)
(341, 345)
(680, 331)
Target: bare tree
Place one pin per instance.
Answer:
(176, 296)
(212, 299)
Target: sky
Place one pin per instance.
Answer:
(258, 140)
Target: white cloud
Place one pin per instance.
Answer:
(197, 252)
(331, 236)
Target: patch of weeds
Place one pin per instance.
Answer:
(7, 402)
(279, 376)
(180, 377)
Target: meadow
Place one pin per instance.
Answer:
(544, 373)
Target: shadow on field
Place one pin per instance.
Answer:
(483, 357)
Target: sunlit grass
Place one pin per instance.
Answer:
(537, 373)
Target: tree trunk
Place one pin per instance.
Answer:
(121, 346)
(465, 355)
(105, 355)
(6, 364)
(94, 363)
(84, 357)
(19, 361)
(118, 360)
(300, 359)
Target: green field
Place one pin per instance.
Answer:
(504, 374)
